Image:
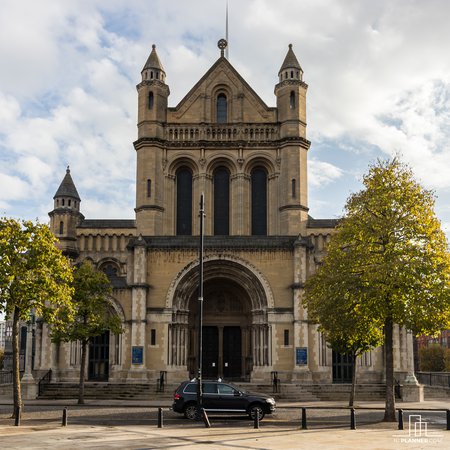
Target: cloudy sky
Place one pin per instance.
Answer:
(378, 75)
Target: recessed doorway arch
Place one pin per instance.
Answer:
(237, 337)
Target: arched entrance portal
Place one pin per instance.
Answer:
(226, 330)
(237, 338)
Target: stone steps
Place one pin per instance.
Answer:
(286, 392)
(436, 392)
(337, 392)
(107, 391)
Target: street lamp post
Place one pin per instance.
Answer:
(201, 411)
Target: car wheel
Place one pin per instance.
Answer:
(256, 410)
(191, 412)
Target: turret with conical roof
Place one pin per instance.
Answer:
(66, 215)
(153, 69)
(291, 115)
(67, 191)
(153, 96)
(291, 97)
(290, 69)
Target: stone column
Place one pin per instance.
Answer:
(28, 383)
(300, 372)
(412, 391)
(239, 205)
(138, 312)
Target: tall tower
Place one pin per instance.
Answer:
(66, 216)
(153, 95)
(291, 107)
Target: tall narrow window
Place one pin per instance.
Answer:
(152, 336)
(221, 201)
(149, 188)
(293, 186)
(184, 201)
(61, 227)
(259, 201)
(292, 100)
(286, 338)
(150, 100)
(222, 108)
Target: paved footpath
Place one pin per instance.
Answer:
(41, 429)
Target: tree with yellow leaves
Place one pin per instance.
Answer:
(388, 263)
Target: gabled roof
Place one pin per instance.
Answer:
(222, 61)
(67, 187)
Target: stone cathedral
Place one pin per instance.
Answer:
(260, 245)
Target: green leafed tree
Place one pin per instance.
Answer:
(345, 327)
(35, 278)
(390, 259)
(433, 358)
(93, 314)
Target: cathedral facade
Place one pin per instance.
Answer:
(249, 160)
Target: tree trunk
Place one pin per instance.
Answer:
(82, 372)
(353, 390)
(17, 393)
(389, 412)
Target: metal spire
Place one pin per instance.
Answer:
(226, 31)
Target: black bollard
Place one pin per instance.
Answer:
(448, 419)
(304, 427)
(352, 419)
(64, 417)
(18, 413)
(256, 421)
(400, 419)
(160, 418)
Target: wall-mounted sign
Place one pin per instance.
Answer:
(137, 355)
(301, 356)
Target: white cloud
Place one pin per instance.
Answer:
(321, 173)
(12, 188)
(377, 75)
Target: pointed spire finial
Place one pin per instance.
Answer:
(68, 169)
(222, 44)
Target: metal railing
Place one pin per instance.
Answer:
(44, 381)
(440, 379)
(6, 376)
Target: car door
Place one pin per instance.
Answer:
(230, 398)
(210, 396)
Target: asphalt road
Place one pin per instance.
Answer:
(316, 418)
(129, 426)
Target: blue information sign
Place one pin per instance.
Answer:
(137, 355)
(301, 356)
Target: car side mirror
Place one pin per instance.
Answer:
(237, 393)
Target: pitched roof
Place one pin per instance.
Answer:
(222, 61)
(67, 187)
(108, 223)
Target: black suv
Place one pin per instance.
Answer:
(220, 397)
